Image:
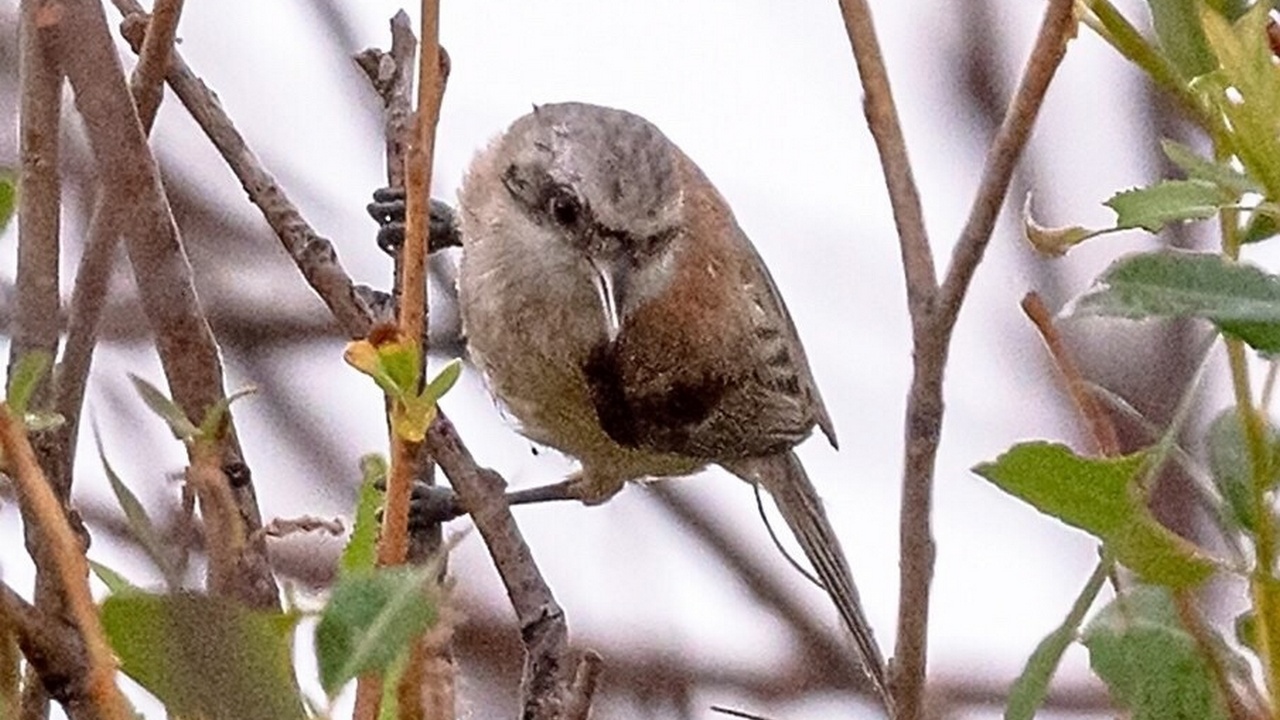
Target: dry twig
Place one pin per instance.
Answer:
(66, 558)
(128, 173)
(933, 307)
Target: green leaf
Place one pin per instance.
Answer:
(1101, 497)
(1262, 226)
(212, 426)
(444, 380)
(1151, 665)
(1245, 91)
(370, 620)
(1168, 202)
(393, 363)
(403, 364)
(1222, 174)
(8, 198)
(362, 548)
(412, 415)
(1030, 689)
(31, 369)
(206, 657)
(181, 427)
(1231, 466)
(1239, 298)
(1177, 25)
(138, 521)
(115, 581)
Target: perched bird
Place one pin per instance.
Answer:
(624, 318)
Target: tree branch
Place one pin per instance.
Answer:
(35, 324)
(934, 308)
(548, 672)
(88, 297)
(67, 562)
(131, 180)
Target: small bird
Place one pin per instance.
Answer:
(623, 317)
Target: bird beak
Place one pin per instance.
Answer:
(609, 278)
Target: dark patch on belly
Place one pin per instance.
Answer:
(666, 420)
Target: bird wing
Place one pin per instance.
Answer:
(712, 368)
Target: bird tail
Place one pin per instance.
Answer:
(785, 479)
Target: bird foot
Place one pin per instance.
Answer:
(388, 209)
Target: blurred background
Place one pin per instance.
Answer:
(765, 97)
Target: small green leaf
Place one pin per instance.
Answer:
(8, 198)
(1231, 181)
(1177, 25)
(1166, 202)
(403, 364)
(444, 380)
(115, 581)
(1231, 466)
(138, 521)
(1100, 497)
(393, 363)
(1151, 665)
(206, 657)
(411, 416)
(362, 548)
(212, 424)
(1032, 686)
(30, 371)
(370, 619)
(1262, 226)
(1239, 298)
(181, 427)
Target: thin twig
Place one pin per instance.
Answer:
(882, 120)
(548, 671)
(934, 309)
(67, 559)
(35, 321)
(52, 649)
(126, 168)
(585, 681)
(1101, 429)
(1056, 29)
(815, 637)
(88, 297)
(35, 325)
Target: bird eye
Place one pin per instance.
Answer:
(565, 209)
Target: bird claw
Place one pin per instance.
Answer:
(388, 210)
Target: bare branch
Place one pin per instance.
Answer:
(1057, 28)
(547, 670)
(583, 690)
(128, 173)
(934, 309)
(1101, 429)
(36, 321)
(65, 556)
(53, 650)
(882, 120)
(88, 297)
